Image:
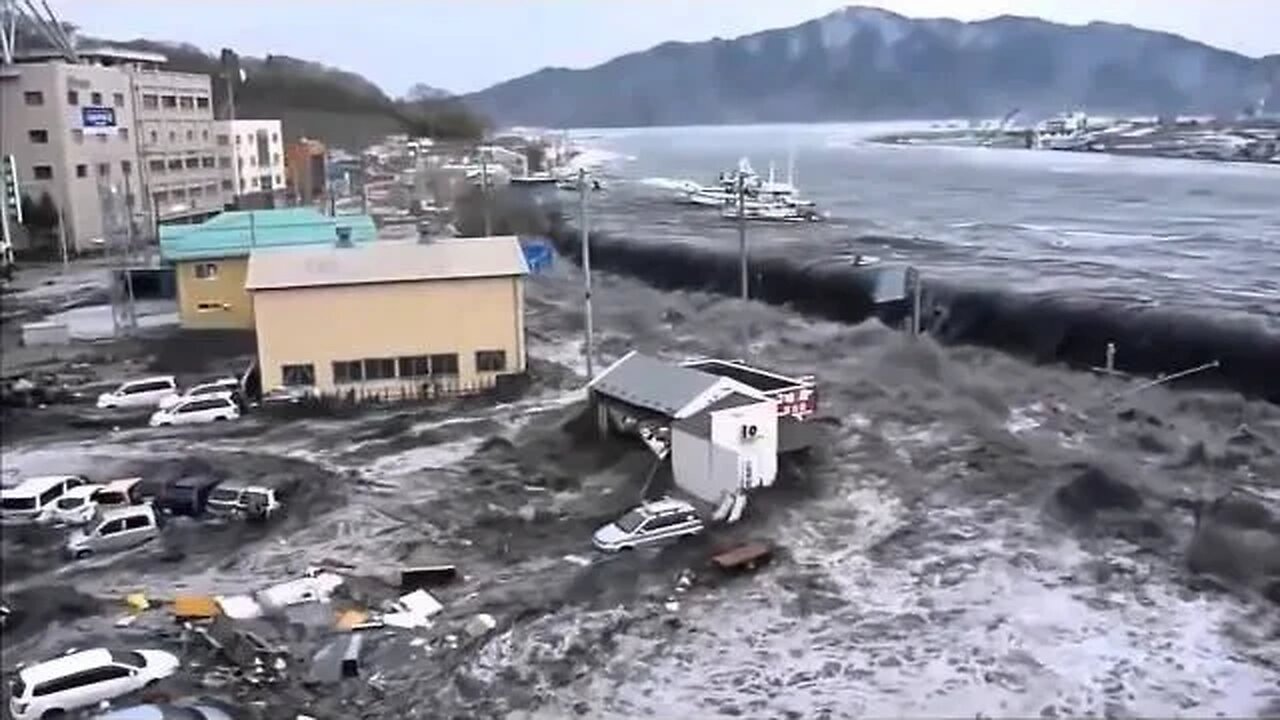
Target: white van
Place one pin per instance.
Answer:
(223, 385)
(147, 392)
(75, 507)
(83, 679)
(35, 497)
(200, 409)
(117, 529)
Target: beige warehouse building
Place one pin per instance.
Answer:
(390, 318)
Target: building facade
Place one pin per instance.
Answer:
(391, 317)
(72, 129)
(211, 259)
(184, 168)
(306, 173)
(256, 150)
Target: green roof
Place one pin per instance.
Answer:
(236, 233)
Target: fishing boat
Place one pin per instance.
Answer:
(771, 211)
(726, 187)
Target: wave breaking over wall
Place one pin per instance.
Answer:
(1043, 328)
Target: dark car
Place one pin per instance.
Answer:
(187, 496)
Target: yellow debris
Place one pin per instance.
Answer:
(194, 607)
(348, 619)
(137, 602)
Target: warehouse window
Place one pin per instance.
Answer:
(491, 360)
(42, 172)
(169, 101)
(444, 364)
(95, 98)
(73, 97)
(157, 166)
(207, 271)
(202, 103)
(77, 135)
(212, 306)
(150, 102)
(175, 163)
(39, 137)
(347, 371)
(193, 163)
(126, 167)
(292, 375)
(379, 369)
(208, 161)
(186, 102)
(224, 140)
(117, 99)
(33, 97)
(82, 170)
(226, 185)
(415, 366)
(104, 169)
(124, 133)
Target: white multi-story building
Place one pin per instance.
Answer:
(254, 155)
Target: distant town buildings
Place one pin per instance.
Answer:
(305, 170)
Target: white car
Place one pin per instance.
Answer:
(77, 506)
(649, 523)
(203, 409)
(224, 385)
(118, 493)
(83, 679)
(34, 498)
(117, 529)
(252, 501)
(147, 392)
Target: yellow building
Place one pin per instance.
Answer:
(211, 259)
(390, 318)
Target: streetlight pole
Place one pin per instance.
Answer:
(484, 192)
(585, 235)
(742, 261)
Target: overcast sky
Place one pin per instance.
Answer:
(464, 45)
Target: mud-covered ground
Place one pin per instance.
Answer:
(978, 536)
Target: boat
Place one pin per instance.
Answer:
(726, 188)
(771, 211)
(538, 178)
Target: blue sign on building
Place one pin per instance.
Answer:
(97, 119)
(537, 253)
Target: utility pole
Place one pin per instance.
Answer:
(742, 261)
(915, 301)
(484, 192)
(62, 238)
(585, 234)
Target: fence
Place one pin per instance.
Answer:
(347, 400)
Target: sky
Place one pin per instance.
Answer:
(466, 45)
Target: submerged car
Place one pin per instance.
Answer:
(83, 679)
(77, 506)
(203, 409)
(649, 523)
(117, 529)
(147, 392)
(222, 385)
(119, 493)
(255, 502)
(34, 498)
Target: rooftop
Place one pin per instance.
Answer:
(96, 52)
(385, 262)
(652, 384)
(237, 233)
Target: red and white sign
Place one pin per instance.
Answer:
(798, 403)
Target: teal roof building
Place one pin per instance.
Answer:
(238, 233)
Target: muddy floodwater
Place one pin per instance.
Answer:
(977, 536)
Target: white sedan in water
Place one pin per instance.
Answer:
(202, 409)
(223, 385)
(650, 523)
(76, 506)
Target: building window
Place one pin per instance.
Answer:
(206, 271)
(77, 135)
(211, 188)
(153, 137)
(204, 135)
(237, 139)
(226, 185)
(253, 161)
(126, 167)
(275, 137)
(275, 158)
(186, 102)
(124, 134)
(175, 164)
(295, 375)
(202, 103)
(169, 101)
(42, 172)
(244, 185)
(211, 307)
(191, 135)
(193, 163)
(33, 97)
(379, 369)
(255, 182)
(104, 169)
(39, 137)
(347, 371)
(150, 102)
(196, 191)
(95, 98)
(102, 138)
(415, 366)
(207, 161)
(156, 166)
(173, 136)
(224, 140)
(82, 170)
(73, 97)
(444, 364)
(278, 182)
(240, 163)
(224, 162)
(117, 99)
(491, 360)
(181, 194)
(161, 196)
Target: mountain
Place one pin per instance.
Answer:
(341, 108)
(423, 91)
(867, 63)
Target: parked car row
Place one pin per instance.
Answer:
(65, 499)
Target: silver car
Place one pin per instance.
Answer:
(114, 530)
(194, 711)
(649, 523)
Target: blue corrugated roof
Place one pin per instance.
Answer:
(236, 233)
